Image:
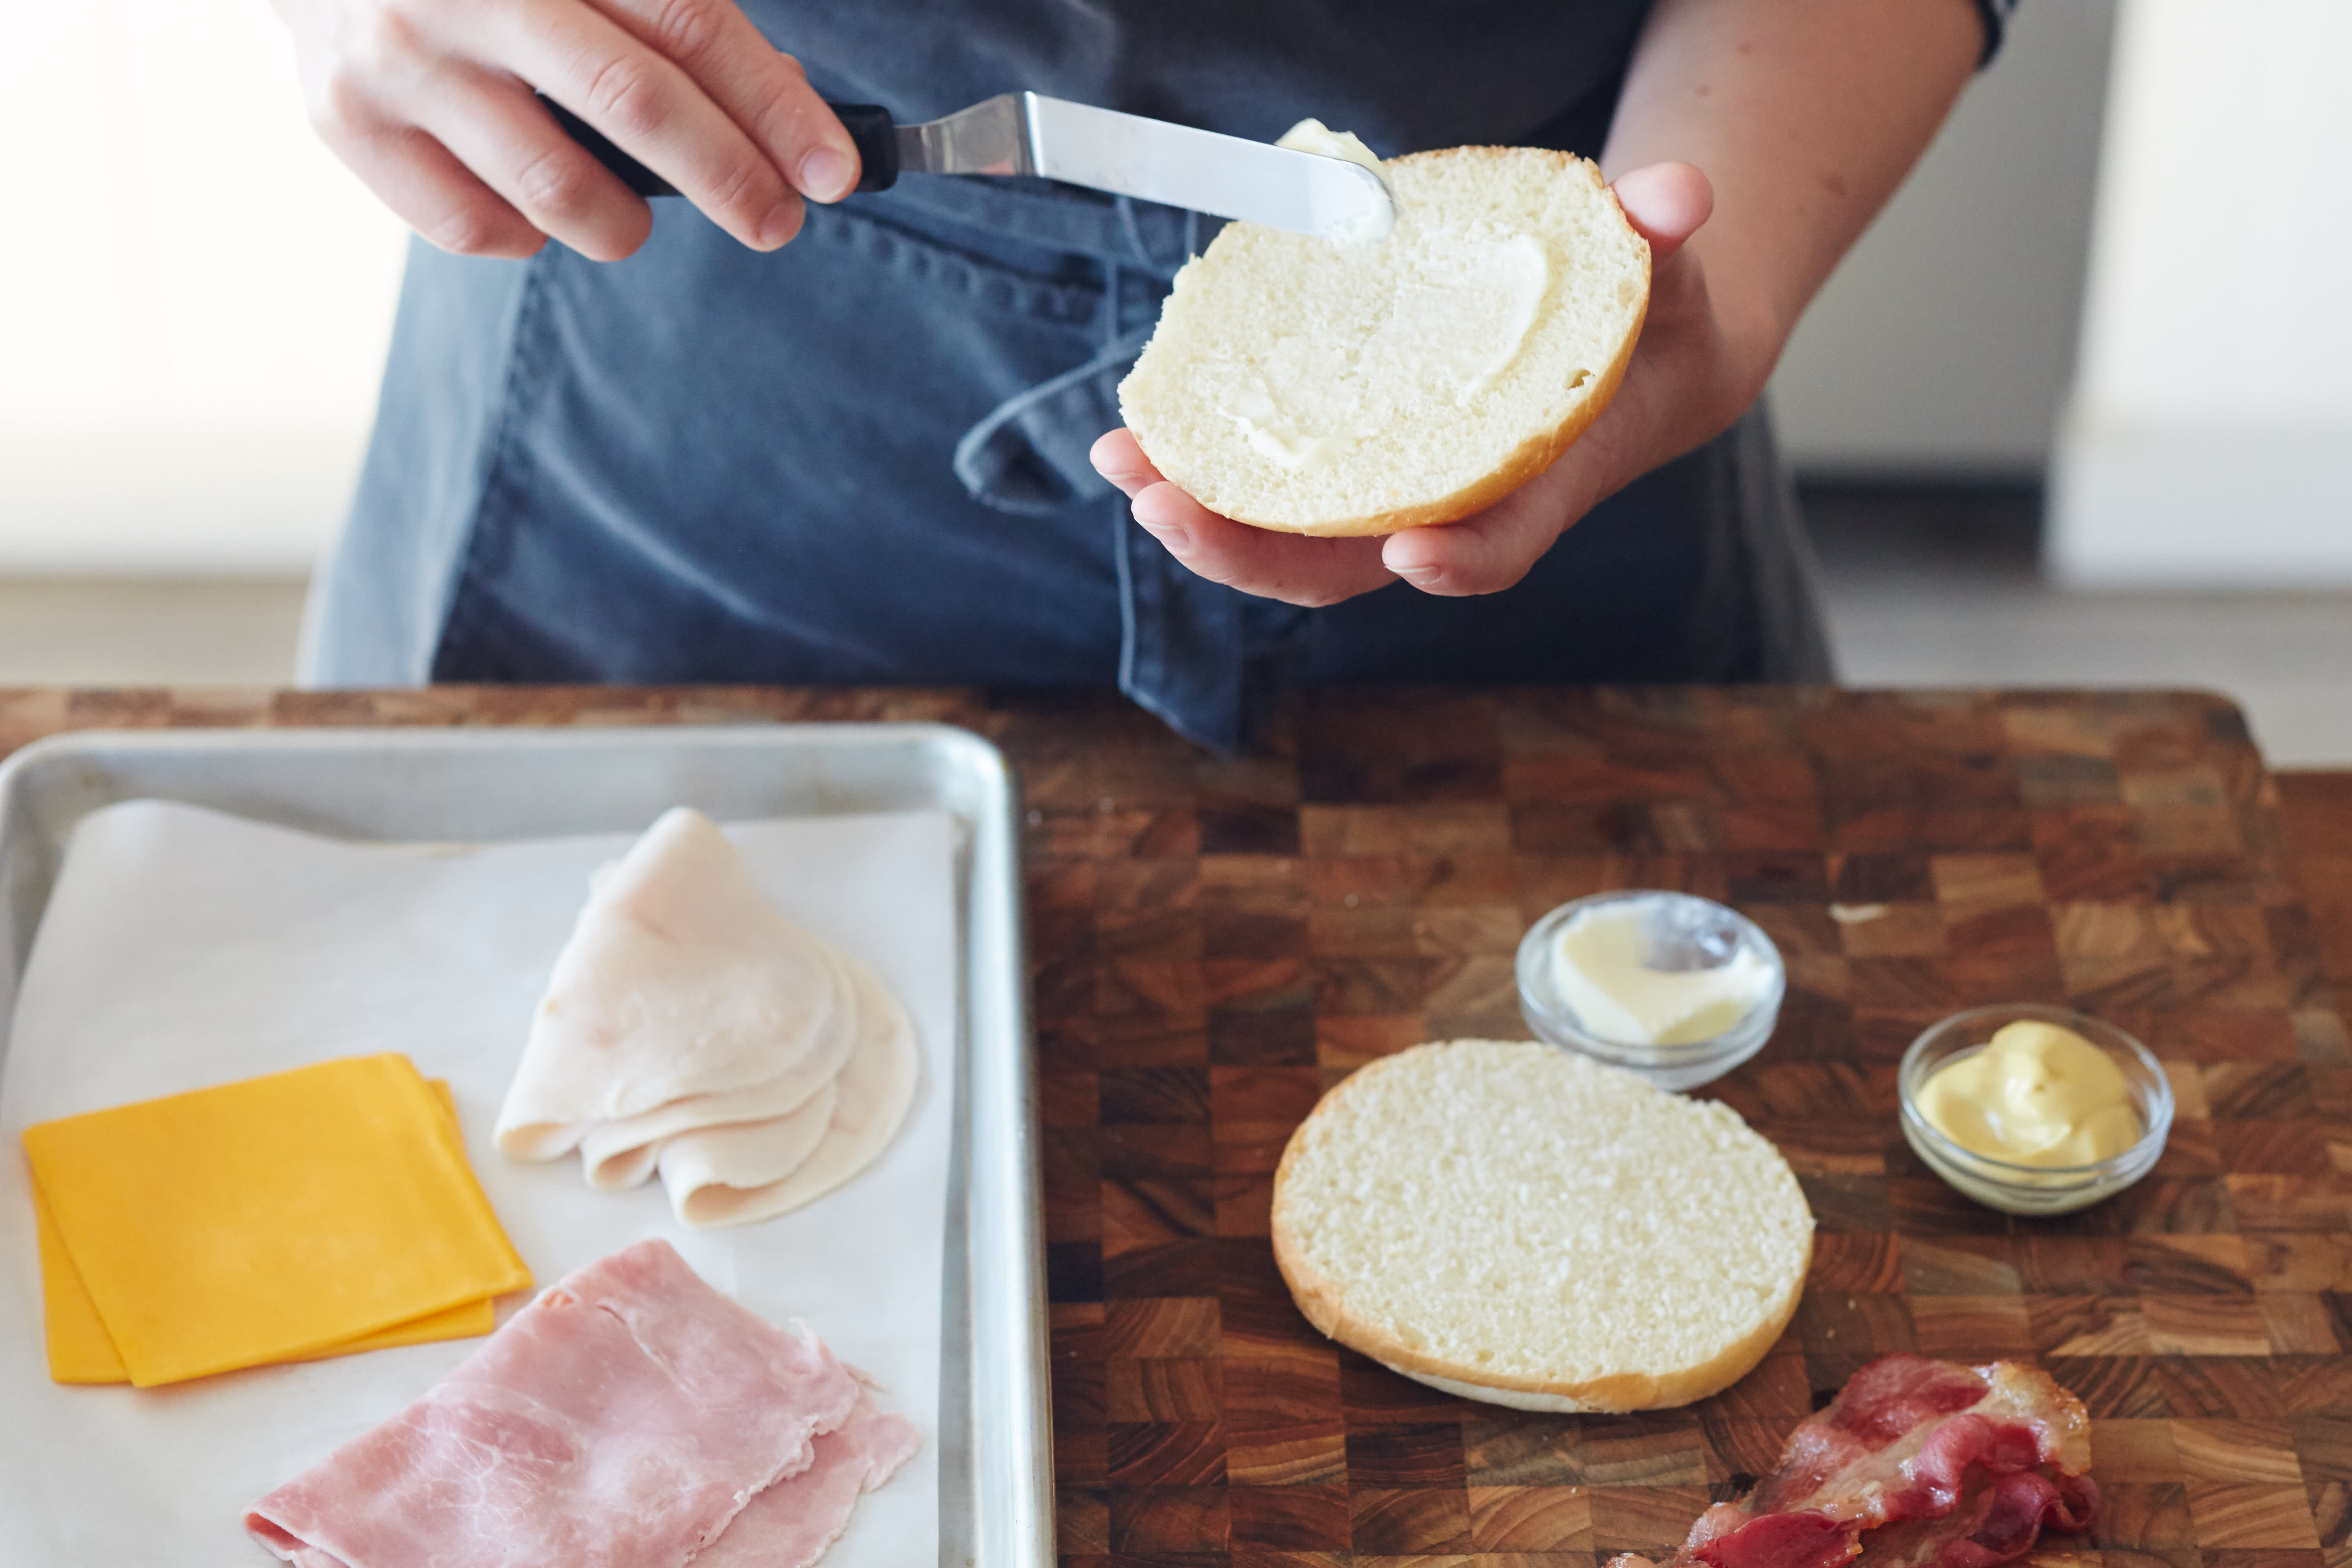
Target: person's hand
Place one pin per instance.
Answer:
(430, 103)
(1691, 376)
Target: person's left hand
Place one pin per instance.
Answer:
(1692, 372)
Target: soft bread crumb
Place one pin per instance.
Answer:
(1514, 1218)
(1300, 385)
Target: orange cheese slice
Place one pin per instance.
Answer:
(80, 1350)
(280, 1218)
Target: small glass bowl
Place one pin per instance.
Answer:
(1716, 933)
(2034, 1189)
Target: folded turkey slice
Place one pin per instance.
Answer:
(734, 1175)
(619, 1155)
(679, 980)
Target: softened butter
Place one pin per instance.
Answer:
(1620, 967)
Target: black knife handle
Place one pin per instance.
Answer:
(869, 125)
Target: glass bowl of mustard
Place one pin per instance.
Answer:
(1675, 987)
(2033, 1110)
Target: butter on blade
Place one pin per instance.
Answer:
(80, 1350)
(272, 1219)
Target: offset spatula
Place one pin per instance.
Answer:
(1127, 154)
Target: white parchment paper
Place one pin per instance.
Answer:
(183, 947)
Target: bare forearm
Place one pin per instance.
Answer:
(1805, 114)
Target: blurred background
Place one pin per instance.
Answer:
(2077, 411)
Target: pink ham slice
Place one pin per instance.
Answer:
(619, 1421)
(792, 1524)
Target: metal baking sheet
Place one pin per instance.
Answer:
(996, 1461)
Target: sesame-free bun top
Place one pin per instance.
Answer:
(1298, 385)
(1511, 1221)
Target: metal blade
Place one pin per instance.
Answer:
(1024, 133)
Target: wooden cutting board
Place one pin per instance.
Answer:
(1216, 942)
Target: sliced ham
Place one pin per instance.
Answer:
(1915, 1462)
(790, 1524)
(679, 979)
(621, 1420)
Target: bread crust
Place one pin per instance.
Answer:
(1531, 456)
(1325, 1306)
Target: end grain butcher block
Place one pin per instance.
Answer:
(1216, 942)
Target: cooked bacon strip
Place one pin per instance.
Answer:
(1987, 1457)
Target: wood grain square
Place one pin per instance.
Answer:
(1172, 1519)
(1153, 1094)
(2112, 1388)
(2254, 1451)
(2151, 1517)
(1964, 1266)
(1287, 1457)
(1171, 1389)
(1290, 1517)
(2087, 1326)
(1248, 830)
(1248, 1035)
(2188, 1265)
(2206, 1325)
(2250, 1514)
(2258, 1091)
(1257, 984)
(2323, 1447)
(1651, 1520)
(1741, 1451)
(1166, 1453)
(1424, 1455)
(1855, 1261)
(1892, 931)
(1267, 1391)
(1388, 1522)
(1660, 1447)
(1844, 1323)
(1080, 1396)
(1081, 1520)
(1966, 1328)
(1374, 1395)
(1776, 1394)
(2133, 1451)
(1148, 1215)
(1530, 1518)
(1503, 1448)
(2301, 1323)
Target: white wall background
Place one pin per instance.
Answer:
(1942, 346)
(2209, 439)
(195, 297)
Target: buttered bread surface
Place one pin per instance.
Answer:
(1301, 386)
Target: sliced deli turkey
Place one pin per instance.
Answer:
(690, 1028)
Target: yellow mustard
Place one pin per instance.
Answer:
(2036, 1095)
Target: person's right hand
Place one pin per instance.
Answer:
(430, 102)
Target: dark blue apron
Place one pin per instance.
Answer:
(862, 459)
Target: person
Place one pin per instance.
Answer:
(674, 448)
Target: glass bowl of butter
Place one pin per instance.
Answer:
(2033, 1110)
(1675, 987)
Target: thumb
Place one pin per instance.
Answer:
(1665, 203)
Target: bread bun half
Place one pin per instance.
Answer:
(1510, 1222)
(1297, 384)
